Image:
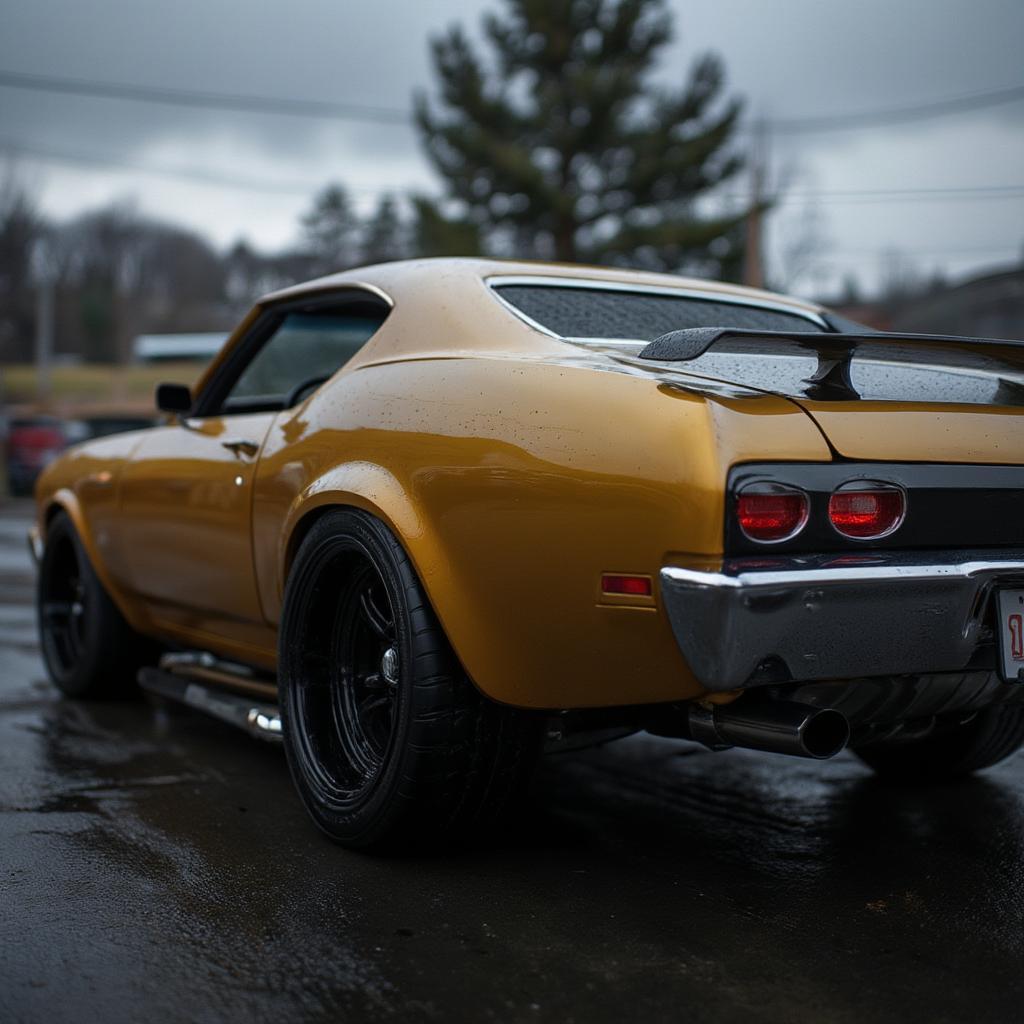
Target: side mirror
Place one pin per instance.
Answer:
(173, 398)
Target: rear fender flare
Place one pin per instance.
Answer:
(377, 491)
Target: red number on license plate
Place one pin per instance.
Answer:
(1011, 633)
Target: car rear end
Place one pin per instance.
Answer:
(887, 583)
(853, 569)
(884, 585)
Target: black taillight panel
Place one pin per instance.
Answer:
(946, 506)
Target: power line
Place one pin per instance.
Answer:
(307, 188)
(209, 100)
(869, 250)
(927, 190)
(908, 196)
(829, 197)
(393, 115)
(898, 115)
(196, 175)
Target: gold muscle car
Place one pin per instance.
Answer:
(422, 519)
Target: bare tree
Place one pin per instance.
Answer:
(801, 251)
(122, 274)
(21, 228)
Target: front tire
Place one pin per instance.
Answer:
(951, 751)
(387, 740)
(88, 648)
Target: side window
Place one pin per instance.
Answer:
(304, 348)
(290, 350)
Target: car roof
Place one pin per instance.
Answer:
(388, 279)
(444, 307)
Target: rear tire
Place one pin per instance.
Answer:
(387, 740)
(88, 648)
(988, 737)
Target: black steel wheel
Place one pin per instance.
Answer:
(387, 740)
(347, 696)
(63, 606)
(88, 648)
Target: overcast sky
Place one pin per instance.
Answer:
(789, 58)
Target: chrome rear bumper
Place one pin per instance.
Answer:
(833, 617)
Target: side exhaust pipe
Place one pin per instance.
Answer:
(759, 722)
(261, 720)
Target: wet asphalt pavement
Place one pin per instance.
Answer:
(155, 865)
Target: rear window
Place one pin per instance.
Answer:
(603, 313)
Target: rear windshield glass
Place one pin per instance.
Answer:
(601, 313)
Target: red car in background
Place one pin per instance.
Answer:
(32, 443)
(34, 440)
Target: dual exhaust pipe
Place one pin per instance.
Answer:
(758, 721)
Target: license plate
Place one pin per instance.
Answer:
(1011, 634)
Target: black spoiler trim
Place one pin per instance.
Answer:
(834, 351)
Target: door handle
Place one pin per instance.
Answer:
(250, 449)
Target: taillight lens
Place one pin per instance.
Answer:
(770, 513)
(867, 511)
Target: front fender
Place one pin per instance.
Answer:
(95, 532)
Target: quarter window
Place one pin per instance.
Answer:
(304, 347)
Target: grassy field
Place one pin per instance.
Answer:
(129, 387)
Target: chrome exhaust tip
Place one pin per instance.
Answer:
(262, 720)
(759, 722)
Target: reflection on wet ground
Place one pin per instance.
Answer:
(155, 864)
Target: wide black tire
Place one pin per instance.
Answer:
(951, 752)
(88, 648)
(387, 764)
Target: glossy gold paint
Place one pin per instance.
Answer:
(514, 467)
(920, 432)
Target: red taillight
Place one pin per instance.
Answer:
(866, 512)
(633, 586)
(773, 513)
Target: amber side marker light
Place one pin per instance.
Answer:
(770, 513)
(631, 586)
(867, 511)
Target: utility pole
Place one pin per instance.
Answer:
(46, 283)
(753, 255)
(44, 338)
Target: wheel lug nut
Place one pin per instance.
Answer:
(389, 666)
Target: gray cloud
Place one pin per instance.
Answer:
(788, 57)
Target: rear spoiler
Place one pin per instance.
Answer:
(834, 352)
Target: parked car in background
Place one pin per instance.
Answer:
(423, 518)
(32, 443)
(90, 424)
(36, 439)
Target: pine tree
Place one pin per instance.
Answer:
(384, 234)
(560, 146)
(330, 232)
(435, 234)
